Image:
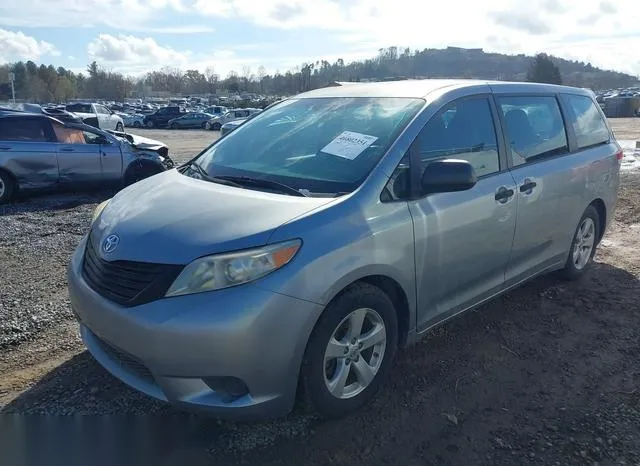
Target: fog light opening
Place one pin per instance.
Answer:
(228, 388)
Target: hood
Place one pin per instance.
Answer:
(140, 142)
(171, 218)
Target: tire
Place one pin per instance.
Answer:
(119, 127)
(173, 126)
(137, 124)
(141, 170)
(216, 126)
(320, 370)
(7, 187)
(204, 125)
(587, 235)
(149, 124)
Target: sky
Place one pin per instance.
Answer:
(136, 36)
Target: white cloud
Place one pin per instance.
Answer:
(604, 32)
(512, 26)
(134, 53)
(19, 46)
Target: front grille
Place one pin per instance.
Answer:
(125, 360)
(127, 283)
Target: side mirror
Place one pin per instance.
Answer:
(445, 176)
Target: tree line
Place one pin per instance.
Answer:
(42, 83)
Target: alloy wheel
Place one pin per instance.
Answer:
(583, 243)
(354, 353)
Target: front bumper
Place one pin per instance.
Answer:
(167, 347)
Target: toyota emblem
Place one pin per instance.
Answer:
(110, 243)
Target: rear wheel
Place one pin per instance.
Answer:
(204, 125)
(583, 247)
(216, 126)
(119, 127)
(137, 124)
(150, 124)
(173, 126)
(350, 351)
(7, 187)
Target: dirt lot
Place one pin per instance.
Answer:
(548, 374)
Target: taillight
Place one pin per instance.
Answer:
(620, 155)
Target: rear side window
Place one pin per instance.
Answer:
(588, 124)
(22, 129)
(534, 128)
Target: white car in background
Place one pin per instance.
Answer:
(96, 115)
(233, 114)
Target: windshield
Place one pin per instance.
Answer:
(80, 108)
(322, 145)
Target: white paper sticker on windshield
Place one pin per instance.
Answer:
(349, 144)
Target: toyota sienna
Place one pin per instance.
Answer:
(293, 257)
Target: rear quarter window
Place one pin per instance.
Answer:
(587, 121)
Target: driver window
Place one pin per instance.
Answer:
(462, 130)
(67, 135)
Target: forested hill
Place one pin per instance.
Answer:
(454, 62)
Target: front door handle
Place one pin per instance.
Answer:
(66, 149)
(503, 194)
(5, 148)
(527, 186)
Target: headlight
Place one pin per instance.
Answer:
(224, 270)
(98, 210)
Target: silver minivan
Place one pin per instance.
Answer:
(293, 257)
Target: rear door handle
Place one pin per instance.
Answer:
(66, 149)
(503, 194)
(528, 185)
(5, 148)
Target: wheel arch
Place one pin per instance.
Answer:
(392, 288)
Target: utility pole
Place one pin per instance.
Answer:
(12, 78)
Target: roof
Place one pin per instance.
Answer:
(420, 88)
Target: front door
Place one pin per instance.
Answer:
(78, 155)
(463, 239)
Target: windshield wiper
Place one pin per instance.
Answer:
(261, 182)
(214, 179)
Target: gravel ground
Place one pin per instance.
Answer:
(548, 374)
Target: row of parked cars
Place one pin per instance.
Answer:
(174, 117)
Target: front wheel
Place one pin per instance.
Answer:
(216, 126)
(583, 246)
(150, 124)
(173, 126)
(350, 351)
(7, 187)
